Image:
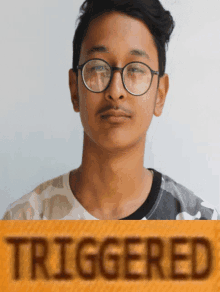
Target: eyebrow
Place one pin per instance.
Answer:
(104, 49)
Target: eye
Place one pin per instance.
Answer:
(136, 70)
(98, 68)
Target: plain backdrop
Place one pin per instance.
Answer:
(41, 135)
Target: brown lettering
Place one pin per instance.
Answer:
(91, 257)
(131, 256)
(154, 260)
(63, 274)
(113, 257)
(39, 260)
(176, 257)
(16, 241)
(204, 274)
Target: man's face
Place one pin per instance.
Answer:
(120, 34)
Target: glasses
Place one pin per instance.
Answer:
(136, 76)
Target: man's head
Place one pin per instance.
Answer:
(151, 12)
(120, 26)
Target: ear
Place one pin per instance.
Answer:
(74, 90)
(161, 94)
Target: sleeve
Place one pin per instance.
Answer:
(215, 215)
(20, 210)
(7, 215)
(209, 212)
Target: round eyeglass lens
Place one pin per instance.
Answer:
(96, 74)
(137, 78)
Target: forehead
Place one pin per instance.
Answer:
(123, 36)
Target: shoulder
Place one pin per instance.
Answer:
(31, 206)
(189, 206)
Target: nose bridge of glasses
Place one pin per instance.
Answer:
(116, 69)
(119, 70)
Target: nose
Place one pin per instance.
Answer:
(116, 88)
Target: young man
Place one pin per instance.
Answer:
(117, 84)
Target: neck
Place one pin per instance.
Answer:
(114, 181)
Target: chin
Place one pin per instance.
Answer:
(120, 145)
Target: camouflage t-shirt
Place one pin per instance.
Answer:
(167, 200)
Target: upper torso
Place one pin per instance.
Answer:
(167, 200)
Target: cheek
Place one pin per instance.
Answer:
(144, 111)
(88, 109)
(144, 119)
(83, 104)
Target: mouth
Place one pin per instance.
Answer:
(115, 119)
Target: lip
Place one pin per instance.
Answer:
(115, 119)
(115, 113)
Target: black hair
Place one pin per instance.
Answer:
(159, 21)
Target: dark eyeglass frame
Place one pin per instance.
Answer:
(80, 67)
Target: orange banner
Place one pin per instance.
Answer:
(110, 256)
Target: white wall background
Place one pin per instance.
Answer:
(41, 137)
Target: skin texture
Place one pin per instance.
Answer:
(112, 182)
